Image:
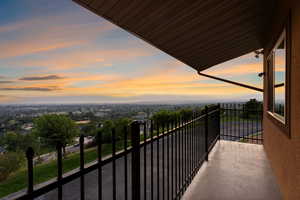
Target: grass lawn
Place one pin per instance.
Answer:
(45, 172)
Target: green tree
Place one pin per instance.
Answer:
(173, 116)
(106, 131)
(252, 108)
(161, 117)
(89, 129)
(53, 129)
(17, 142)
(120, 125)
(10, 140)
(107, 127)
(186, 114)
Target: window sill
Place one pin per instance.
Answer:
(279, 123)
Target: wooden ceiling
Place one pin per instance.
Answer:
(200, 33)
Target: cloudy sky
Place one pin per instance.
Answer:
(58, 52)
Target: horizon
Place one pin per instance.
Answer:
(76, 57)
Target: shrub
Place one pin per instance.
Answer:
(9, 163)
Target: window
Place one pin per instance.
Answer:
(278, 67)
(279, 77)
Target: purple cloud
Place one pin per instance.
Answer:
(41, 78)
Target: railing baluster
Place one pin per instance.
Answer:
(182, 155)
(30, 156)
(243, 115)
(59, 170)
(145, 163)
(190, 149)
(176, 156)
(219, 121)
(168, 162)
(172, 157)
(114, 163)
(157, 162)
(151, 146)
(163, 160)
(81, 146)
(206, 133)
(135, 159)
(231, 121)
(99, 149)
(125, 163)
(252, 127)
(228, 121)
(197, 137)
(239, 121)
(189, 153)
(256, 114)
(235, 121)
(193, 141)
(260, 118)
(185, 154)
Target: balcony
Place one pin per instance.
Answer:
(234, 171)
(161, 160)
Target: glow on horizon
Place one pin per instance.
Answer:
(63, 52)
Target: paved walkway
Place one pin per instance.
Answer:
(236, 171)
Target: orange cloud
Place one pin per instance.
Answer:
(79, 58)
(5, 99)
(168, 77)
(170, 83)
(235, 70)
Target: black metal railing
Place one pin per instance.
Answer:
(242, 123)
(158, 160)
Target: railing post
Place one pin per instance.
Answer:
(81, 144)
(99, 152)
(206, 133)
(135, 141)
(59, 170)
(29, 156)
(219, 121)
(114, 178)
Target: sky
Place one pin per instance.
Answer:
(58, 52)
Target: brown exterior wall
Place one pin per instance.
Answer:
(284, 152)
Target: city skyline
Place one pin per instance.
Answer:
(61, 53)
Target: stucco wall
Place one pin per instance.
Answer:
(284, 152)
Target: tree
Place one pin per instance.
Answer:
(106, 131)
(10, 140)
(89, 129)
(17, 142)
(120, 125)
(186, 114)
(109, 125)
(54, 129)
(252, 108)
(161, 117)
(173, 116)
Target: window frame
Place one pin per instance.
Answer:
(285, 33)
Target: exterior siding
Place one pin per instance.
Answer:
(284, 152)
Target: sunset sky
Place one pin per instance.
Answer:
(58, 52)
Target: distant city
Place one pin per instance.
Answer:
(19, 118)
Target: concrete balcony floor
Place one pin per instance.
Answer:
(235, 171)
